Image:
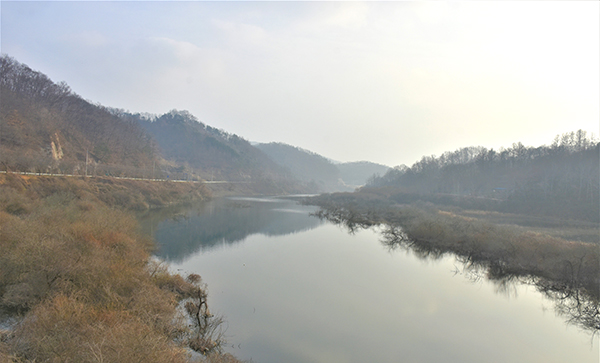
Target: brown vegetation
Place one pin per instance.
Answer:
(47, 127)
(568, 269)
(426, 227)
(133, 195)
(78, 276)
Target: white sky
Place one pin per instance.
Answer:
(387, 82)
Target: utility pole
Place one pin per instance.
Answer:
(86, 161)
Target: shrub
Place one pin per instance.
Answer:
(65, 329)
(78, 273)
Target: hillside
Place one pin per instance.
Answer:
(305, 165)
(197, 149)
(561, 180)
(320, 171)
(47, 128)
(358, 173)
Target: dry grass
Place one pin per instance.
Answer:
(134, 195)
(516, 252)
(78, 275)
(506, 249)
(64, 329)
(571, 230)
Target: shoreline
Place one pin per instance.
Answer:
(82, 281)
(503, 250)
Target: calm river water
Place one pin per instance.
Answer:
(297, 289)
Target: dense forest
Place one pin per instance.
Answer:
(561, 179)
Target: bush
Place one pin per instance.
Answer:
(78, 274)
(65, 329)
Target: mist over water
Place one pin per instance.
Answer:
(297, 289)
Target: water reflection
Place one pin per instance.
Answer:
(323, 295)
(183, 231)
(578, 306)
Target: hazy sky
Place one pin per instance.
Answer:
(387, 82)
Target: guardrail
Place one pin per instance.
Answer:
(126, 178)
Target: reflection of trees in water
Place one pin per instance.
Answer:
(577, 305)
(220, 222)
(571, 283)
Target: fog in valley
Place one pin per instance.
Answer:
(337, 181)
(386, 82)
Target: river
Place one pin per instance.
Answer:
(294, 288)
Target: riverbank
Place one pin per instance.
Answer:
(125, 194)
(556, 263)
(79, 278)
(286, 280)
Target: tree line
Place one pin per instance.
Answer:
(560, 179)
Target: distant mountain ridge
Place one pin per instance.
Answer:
(320, 171)
(304, 165)
(45, 127)
(358, 173)
(216, 154)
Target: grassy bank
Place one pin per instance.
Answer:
(78, 277)
(565, 271)
(503, 250)
(131, 195)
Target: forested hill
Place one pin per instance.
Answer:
(305, 165)
(214, 154)
(320, 171)
(358, 173)
(46, 127)
(561, 179)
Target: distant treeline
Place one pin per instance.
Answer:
(561, 179)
